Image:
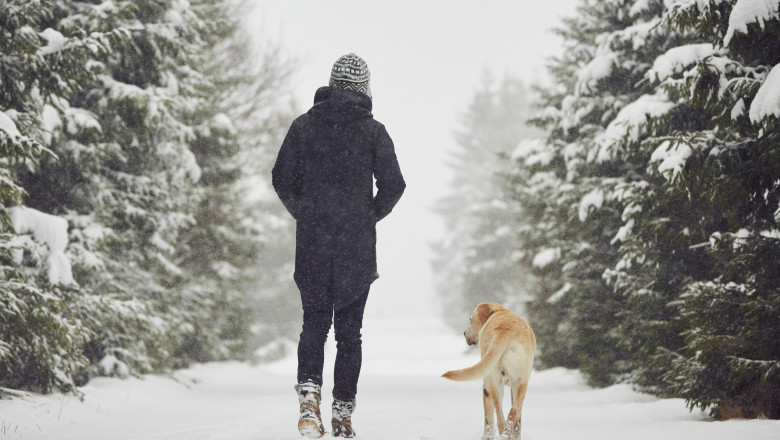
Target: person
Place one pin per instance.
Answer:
(325, 174)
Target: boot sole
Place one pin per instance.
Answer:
(309, 428)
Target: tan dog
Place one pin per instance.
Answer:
(507, 345)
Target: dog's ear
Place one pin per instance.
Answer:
(484, 311)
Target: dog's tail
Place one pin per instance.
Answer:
(482, 368)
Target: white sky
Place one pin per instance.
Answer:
(427, 59)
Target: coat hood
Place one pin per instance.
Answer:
(335, 105)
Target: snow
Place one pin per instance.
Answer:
(49, 230)
(50, 122)
(748, 12)
(401, 397)
(55, 42)
(638, 33)
(190, 165)
(533, 151)
(672, 157)
(767, 100)
(221, 121)
(628, 122)
(597, 69)
(639, 7)
(560, 293)
(7, 124)
(111, 366)
(545, 257)
(79, 120)
(738, 110)
(623, 232)
(591, 200)
(676, 59)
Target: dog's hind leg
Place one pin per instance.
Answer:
(513, 422)
(498, 399)
(492, 405)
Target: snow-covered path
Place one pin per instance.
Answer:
(401, 397)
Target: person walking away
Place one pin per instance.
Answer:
(324, 175)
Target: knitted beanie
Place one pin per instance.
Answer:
(350, 72)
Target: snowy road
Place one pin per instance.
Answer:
(401, 397)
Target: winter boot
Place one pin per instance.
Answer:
(342, 418)
(310, 422)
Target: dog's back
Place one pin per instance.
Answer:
(507, 344)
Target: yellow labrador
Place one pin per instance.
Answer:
(507, 345)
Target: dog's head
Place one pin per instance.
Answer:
(478, 319)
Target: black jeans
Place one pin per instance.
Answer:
(349, 356)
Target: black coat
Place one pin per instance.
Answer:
(324, 174)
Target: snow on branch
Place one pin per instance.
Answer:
(545, 257)
(51, 231)
(676, 59)
(627, 124)
(532, 152)
(592, 200)
(7, 124)
(598, 68)
(671, 157)
(55, 42)
(747, 12)
(766, 103)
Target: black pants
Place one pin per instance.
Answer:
(349, 356)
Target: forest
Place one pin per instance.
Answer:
(628, 207)
(637, 228)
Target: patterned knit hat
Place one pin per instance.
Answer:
(350, 72)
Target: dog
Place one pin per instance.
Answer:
(507, 345)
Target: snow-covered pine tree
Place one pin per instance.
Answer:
(129, 182)
(610, 45)
(536, 174)
(477, 259)
(223, 251)
(720, 179)
(125, 178)
(41, 339)
(128, 96)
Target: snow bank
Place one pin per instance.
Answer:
(747, 12)
(676, 59)
(400, 397)
(51, 231)
(767, 100)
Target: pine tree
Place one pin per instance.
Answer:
(41, 339)
(224, 250)
(149, 172)
(723, 168)
(476, 260)
(126, 173)
(604, 105)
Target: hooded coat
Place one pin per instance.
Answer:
(324, 175)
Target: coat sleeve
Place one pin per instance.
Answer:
(285, 171)
(389, 180)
